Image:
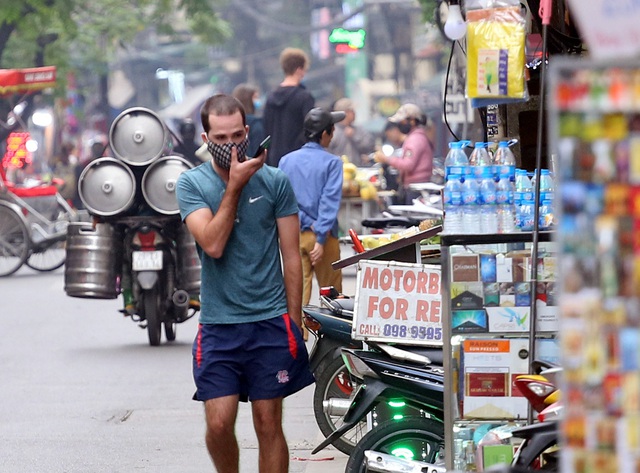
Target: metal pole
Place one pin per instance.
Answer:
(545, 14)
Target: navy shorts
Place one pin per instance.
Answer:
(257, 360)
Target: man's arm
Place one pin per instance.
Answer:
(212, 231)
(289, 235)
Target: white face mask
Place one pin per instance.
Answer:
(222, 153)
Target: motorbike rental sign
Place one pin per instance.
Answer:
(398, 302)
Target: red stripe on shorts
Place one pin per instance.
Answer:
(293, 345)
(199, 346)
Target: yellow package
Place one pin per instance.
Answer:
(496, 53)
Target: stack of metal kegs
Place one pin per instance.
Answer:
(138, 181)
(141, 177)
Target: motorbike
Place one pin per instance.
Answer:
(537, 450)
(136, 244)
(330, 325)
(155, 283)
(388, 374)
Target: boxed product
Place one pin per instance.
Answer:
(465, 267)
(489, 367)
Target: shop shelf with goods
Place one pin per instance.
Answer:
(594, 120)
(496, 322)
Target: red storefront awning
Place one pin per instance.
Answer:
(14, 81)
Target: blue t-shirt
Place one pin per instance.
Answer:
(246, 283)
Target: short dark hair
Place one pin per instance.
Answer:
(244, 93)
(292, 59)
(317, 136)
(220, 105)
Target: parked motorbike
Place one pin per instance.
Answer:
(410, 375)
(537, 450)
(330, 325)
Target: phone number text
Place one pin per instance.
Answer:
(412, 331)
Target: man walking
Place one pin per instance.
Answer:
(287, 106)
(249, 345)
(316, 177)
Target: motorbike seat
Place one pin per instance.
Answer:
(344, 304)
(433, 353)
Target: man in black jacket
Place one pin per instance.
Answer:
(287, 106)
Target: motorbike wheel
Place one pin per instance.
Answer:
(414, 438)
(170, 331)
(151, 301)
(334, 381)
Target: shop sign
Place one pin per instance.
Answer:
(609, 27)
(398, 302)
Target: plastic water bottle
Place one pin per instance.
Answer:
(546, 200)
(487, 201)
(505, 161)
(456, 159)
(479, 157)
(524, 201)
(470, 203)
(505, 198)
(452, 201)
(505, 164)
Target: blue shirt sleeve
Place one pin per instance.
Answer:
(329, 205)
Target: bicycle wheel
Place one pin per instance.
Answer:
(14, 241)
(48, 258)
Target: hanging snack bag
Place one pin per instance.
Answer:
(496, 39)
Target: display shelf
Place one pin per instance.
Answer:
(491, 337)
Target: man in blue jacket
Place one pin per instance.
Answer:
(316, 178)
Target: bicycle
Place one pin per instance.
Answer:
(32, 234)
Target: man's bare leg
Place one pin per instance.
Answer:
(221, 439)
(272, 446)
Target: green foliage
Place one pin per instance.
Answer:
(91, 32)
(428, 9)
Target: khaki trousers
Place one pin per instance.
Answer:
(325, 274)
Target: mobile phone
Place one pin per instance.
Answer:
(262, 146)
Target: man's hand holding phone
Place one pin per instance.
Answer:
(263, 146)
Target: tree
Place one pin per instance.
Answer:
(85, 35)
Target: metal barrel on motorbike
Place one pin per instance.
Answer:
(137, 245)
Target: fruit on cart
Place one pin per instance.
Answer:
(349, 171)
(370, 242)
(368, 191)
(350, 186)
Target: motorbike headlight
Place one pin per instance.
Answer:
(356, 366)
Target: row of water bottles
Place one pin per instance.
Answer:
(485, 193)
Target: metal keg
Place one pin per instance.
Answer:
(159, 183)
(107, 187)
(94, 259)
(138, 136)
(188, 262)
